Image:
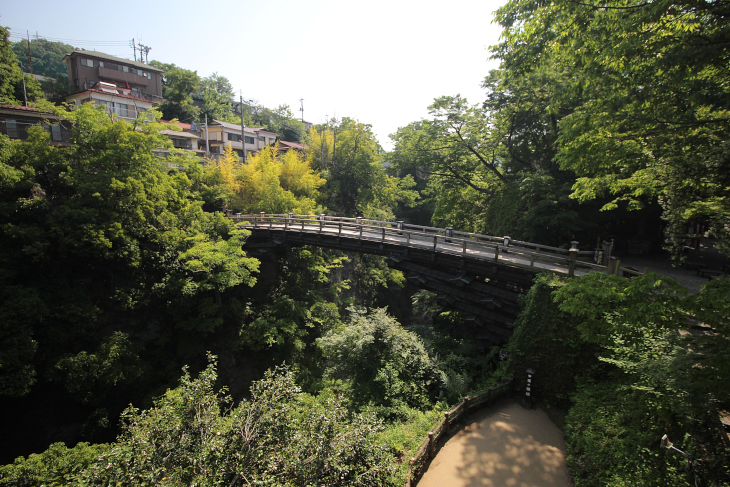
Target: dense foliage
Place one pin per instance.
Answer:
(351, 160)
(609, 351)
(622, 105)
(12, 91)
(117, 269)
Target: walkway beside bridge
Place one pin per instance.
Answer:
(504, 445)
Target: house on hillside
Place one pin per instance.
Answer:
(125, 88)
(286, 146)
(15, 121)
(187, 139)
(222, 133)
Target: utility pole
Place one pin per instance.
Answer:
(207, 142)
(144, 49)
(22, 71)
(30, 58)
(243, 135)
(134, 47)
(301, 109)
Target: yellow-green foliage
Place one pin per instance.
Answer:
(270, 181)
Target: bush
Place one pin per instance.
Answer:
(388, 365)
(547, 341)
(55, 466)
(278, 437)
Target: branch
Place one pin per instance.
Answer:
(491, 166)
(469, 183)
(599, 7)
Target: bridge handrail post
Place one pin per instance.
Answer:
(496, 253)
(611, 265)
(339, 231)
(463, 247)
(573, 258)
(321, 222)
(607, 250)
(435, 242)
(447, 422)
(382, 237)
(431, 445)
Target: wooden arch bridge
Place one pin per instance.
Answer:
(479, 275)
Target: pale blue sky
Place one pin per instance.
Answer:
(381, 62)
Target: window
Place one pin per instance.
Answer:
(180, 143)
(56, 132)
(101, 64)
(148, 75)
(235, 137)
(125, 69)
(272, 140)
(91, 83)
(12, 127)
(262, 138)
(87, 62)
(249, 140)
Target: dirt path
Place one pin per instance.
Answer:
(506, 445)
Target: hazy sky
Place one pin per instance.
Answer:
(381, 62)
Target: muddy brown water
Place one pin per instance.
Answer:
(505, 445)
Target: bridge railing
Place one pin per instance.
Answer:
(444, 240)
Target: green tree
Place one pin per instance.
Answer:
(11, 76)
(387, 365)
(178, 87)
(654, 379)
(91, 235)
(279, 436)
(351, 160)
(651, 121)
(47, 56)
(216, 94)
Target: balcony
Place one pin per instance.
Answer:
(107, 73)
(128, 113)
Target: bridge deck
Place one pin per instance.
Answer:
(501, 250)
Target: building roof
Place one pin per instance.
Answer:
(175, 133)
(116, 95)
(24, 109)
(108, 57)
(284, 145)
(182, 125)
(231, 126)
(259, 130)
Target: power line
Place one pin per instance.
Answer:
(16, 33)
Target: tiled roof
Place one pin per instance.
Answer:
(291, 145)
(22, 108)
(120, 60)
(175, 133)
(182, 125)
